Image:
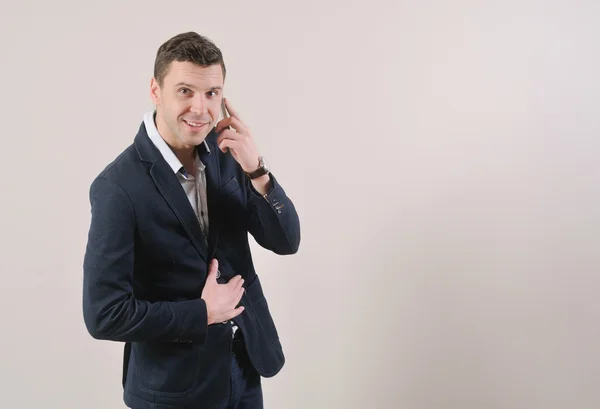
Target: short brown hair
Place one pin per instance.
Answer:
(186, 47)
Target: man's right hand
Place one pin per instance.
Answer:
(221, 299)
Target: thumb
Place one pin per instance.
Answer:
(212, 269)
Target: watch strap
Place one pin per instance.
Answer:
(260, 171)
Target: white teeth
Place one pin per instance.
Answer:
(192, 123)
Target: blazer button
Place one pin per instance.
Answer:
(218, 274)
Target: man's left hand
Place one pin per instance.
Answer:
(238, 140)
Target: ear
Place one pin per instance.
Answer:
(155, 91)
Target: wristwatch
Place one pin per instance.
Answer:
(262, 169)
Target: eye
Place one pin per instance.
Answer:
(184, 91)
(212, 93)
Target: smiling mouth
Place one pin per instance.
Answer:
(194, 124)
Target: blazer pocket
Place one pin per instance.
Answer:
(260, 308)
(167, 369)
(230, 187)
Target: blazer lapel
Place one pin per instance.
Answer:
(213, 182)
(170, 188)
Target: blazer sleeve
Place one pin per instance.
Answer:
(272, 219)
(110, 309)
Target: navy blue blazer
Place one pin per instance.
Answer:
(146, 263)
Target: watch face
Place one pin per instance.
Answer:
(263, 163)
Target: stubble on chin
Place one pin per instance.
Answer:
(191, 139)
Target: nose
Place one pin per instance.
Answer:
(198, 106)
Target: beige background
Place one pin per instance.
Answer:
(443, 157)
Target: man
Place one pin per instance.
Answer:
(168, 269)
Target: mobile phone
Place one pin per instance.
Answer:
(224, 111)
(225, 115)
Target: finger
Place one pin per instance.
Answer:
(236, 312)
(235, 281)
(240, 284)
(232, 122)
(238, 287)
(237, 296)
(238, 125)
(240, 295)
(232, 112)
(229, 144)
(228, 134)
(223, 124)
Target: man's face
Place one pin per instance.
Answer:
(188, 103)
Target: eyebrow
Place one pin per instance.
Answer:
(185, 84)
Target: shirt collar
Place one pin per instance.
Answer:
(162, 146)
